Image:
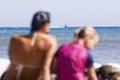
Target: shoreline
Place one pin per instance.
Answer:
(5, 62)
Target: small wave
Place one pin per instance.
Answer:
(116, 65)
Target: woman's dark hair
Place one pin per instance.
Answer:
(39, 20)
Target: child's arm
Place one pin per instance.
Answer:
(90, 68)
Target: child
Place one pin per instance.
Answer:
(73, 58)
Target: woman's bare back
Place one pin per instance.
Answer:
(22, 52)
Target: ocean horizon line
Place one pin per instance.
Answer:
(64, 27)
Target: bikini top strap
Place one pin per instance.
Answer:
(33, 39)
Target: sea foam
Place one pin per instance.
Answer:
(3, 65)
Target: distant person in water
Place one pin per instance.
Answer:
(31, 55)
(73, 58)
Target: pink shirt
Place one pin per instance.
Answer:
(72, 60)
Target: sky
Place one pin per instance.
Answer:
(18, 13)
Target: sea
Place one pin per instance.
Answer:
(107, 51)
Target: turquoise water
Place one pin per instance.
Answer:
(108, 49)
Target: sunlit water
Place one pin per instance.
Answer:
(108, 49)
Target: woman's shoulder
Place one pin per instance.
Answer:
(52, 38)
(49, 38)
(17, 38)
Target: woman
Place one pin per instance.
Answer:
(73, 58)
(31, 55)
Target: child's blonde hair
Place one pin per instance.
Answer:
(85, 31)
